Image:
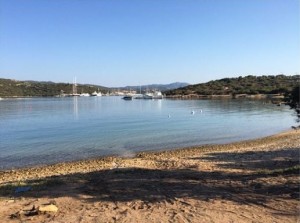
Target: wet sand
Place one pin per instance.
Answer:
(249, 181)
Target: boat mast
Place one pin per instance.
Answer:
(74, 86)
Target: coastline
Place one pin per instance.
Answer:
(210, 182)
(109, 162)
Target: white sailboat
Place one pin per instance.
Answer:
(74, 88)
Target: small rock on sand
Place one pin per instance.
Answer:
(48, 208)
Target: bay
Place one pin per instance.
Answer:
(38, 131)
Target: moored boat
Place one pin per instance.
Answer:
(128, 97)
(96, 94)
(151, 95)
(84, 95)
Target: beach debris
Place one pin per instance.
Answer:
(16, 215)
(25, 213)
(43, 209)
(22, 189)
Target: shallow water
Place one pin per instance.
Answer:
(48, 130)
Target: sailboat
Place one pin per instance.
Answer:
(74, 88)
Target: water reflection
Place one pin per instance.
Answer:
(75, 107)
(159, 104)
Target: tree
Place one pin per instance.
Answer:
(294, 101)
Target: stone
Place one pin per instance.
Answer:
(48, 208)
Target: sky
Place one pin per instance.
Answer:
(138, 42)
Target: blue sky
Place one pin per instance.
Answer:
(134, 42)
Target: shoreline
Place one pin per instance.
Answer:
(247, 181)
(103, 162)
(134, 154)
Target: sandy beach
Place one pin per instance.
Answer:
(249, 181)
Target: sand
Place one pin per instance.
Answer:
(250, 181)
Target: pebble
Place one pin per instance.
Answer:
(48, 208)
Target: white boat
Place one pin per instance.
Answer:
(148, 96)
(152, 95)
(84, 95)
(157, 95)
(96, 94)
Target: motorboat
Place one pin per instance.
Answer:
(84, 95)
(96, 94)
(128, 97)
(157, 95)
(151, 95)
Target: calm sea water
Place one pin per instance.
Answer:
(48, 130)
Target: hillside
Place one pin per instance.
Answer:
(14, 88)
(280, 84)
(160, 87)
(11, 88)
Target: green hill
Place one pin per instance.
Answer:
(280, 84)
(13, 88)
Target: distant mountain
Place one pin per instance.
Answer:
(279, 84)
(160, 87)
(31, 88)
(15, 88)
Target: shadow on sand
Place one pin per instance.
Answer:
(256, 160)
(149, 185)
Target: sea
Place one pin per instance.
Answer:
(40, 131)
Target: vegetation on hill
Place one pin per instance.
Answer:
(160, 87)
(293, 99)
(280, 84)
(11, 88)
